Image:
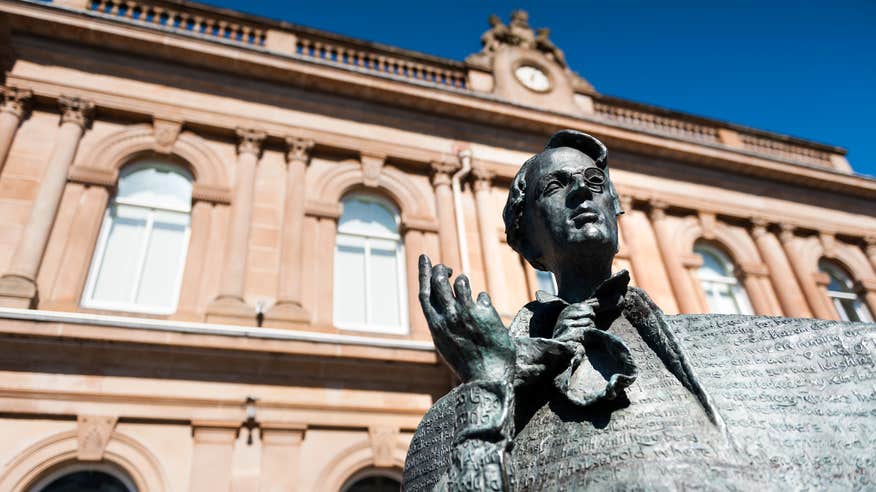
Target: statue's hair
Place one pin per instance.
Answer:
(514, 206)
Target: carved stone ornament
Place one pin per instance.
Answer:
(518, 33)
(482, 177)
(14, 100)
(76, 110)
(250, 141)
(298, 149)
(383, 444)
(94, 432)
(166, 133)
(372, 165)
(595, 388)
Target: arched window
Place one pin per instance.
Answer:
(841, 291)
(141, 250)
(82, 476)
(373, 480)
(718, 281)
(369, 283)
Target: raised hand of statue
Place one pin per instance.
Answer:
(468, 334)
(573, 320)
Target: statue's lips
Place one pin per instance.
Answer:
(585, 216)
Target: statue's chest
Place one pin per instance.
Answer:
(658, 435)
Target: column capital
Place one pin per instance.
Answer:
(250, 141)
(442, 171)
(759, 227)
(14, 100)
(298, 149)
(787, 232)
(76, 110)
(870, 245)
(658, 209)
(626, 202)
(482, 177)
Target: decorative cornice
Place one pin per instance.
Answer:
(76, 110)
(250, 141)
(298, 149)
(15, 100)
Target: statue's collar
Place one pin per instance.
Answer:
(609, 296)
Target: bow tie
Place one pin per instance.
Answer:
(588, 364)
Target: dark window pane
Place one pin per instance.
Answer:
(375, 484)
(86, 481)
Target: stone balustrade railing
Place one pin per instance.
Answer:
(171, 16)
(643, 120)
(375, 61)
(410, 66)
(784, 150)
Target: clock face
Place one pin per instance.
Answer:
(533, 78)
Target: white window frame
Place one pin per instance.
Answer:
(364, 241)
(712, 284)
(88, 300)
(836, 296)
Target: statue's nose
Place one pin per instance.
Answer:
(578, 190)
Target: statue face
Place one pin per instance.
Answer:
(569, 213)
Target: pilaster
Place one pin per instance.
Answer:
(13, 106)
(229, 306)
(442, 172)
(18, 286)
(686, 295)
(784, 282)
(288, 308)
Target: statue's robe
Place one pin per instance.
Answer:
(719, 402)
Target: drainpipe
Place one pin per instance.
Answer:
(456, 186)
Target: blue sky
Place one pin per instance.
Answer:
(806, 69)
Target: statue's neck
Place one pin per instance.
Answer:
(578, 282)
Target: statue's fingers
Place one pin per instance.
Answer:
(484, 300)
(442, 295)
(426, 291)
(462, 289)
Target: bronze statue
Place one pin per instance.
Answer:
(596, 388)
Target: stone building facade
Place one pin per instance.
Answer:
(209, 226)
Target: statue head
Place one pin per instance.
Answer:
(520, 18)
(494, 20)
(562, 207)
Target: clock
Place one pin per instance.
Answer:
(533, 78)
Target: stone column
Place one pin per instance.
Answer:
(18, 286)
(230, 300)
(288, 306)
(818, 301)
(447, 235)
(213, 445)
(682, 284)
(870, 249)
(12, 109)
(492, 255)
(866, 289)
(782, 275)
(752, 275)
(281, 450)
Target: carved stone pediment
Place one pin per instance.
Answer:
(526, 66)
